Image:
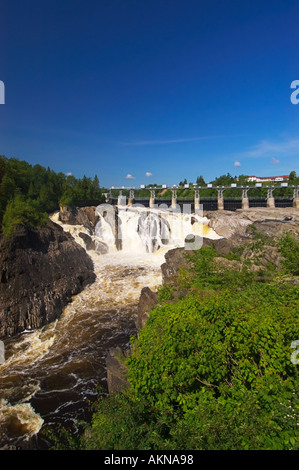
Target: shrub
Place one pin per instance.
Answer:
(289, 248)
(22, 212)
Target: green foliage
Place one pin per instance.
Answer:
(212, 371)
(289, 248)
(81, 192)
(206, 273)
(63, 439)
(42, 191)
(22, 212)
(200, 181)
(218, 340)
(208, 374)
(165, 293)
(122, 423)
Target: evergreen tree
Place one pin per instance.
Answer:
(200, 181)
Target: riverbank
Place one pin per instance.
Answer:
(52, 374)
(212, 367)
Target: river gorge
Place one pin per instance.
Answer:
(51, 375)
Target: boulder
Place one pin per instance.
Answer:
(89, 242)
(101, 247)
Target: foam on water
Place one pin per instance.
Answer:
(49, 373)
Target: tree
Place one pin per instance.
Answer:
(22, 212)
(200, 181)
(292, 176)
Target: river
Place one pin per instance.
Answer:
(52, 375)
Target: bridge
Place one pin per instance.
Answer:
(218, 203)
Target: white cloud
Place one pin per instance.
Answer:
(237, 163)
(266, 148)
(148, 174)
(274, 161)
(130, 177)
(68, 174)
(178, 140)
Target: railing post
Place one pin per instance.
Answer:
(245, 200)
(174, 199)
(220, 199)
(109, 195)
(152, 198)
(270, 198)
(131, 198)
(121, 200)
(296, 197)
(196, 201)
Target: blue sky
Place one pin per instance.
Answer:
(157, 90)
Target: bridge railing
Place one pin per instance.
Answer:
(245, 196)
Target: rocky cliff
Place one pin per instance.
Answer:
(41, 269)
(229, 224)
(85, 216)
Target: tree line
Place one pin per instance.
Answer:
(29, 193)
(222, 180)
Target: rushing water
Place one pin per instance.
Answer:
(51, 375)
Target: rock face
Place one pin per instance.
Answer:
(41, 269)
(79, 216)
(147, 301)
(233, 224)
(174, 259)
(116, 370)
(89, 242)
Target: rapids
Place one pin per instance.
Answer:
(51, 375)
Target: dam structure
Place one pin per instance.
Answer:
(220, 197)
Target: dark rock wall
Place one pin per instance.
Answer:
(40, 271)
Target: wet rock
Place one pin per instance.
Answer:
(89, 242)
(96, 245)
(101, 247)
(85, 216)
(41, 269)
(116, 370)
(147, 301)
(174, 260)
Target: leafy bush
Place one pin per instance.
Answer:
(165, 293)
(209, 373)
(289, 248)
(225, 339)
(22, 212)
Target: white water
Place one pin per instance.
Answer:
(49, 374)
(143, 230)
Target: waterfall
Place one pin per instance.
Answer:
(142, 230)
